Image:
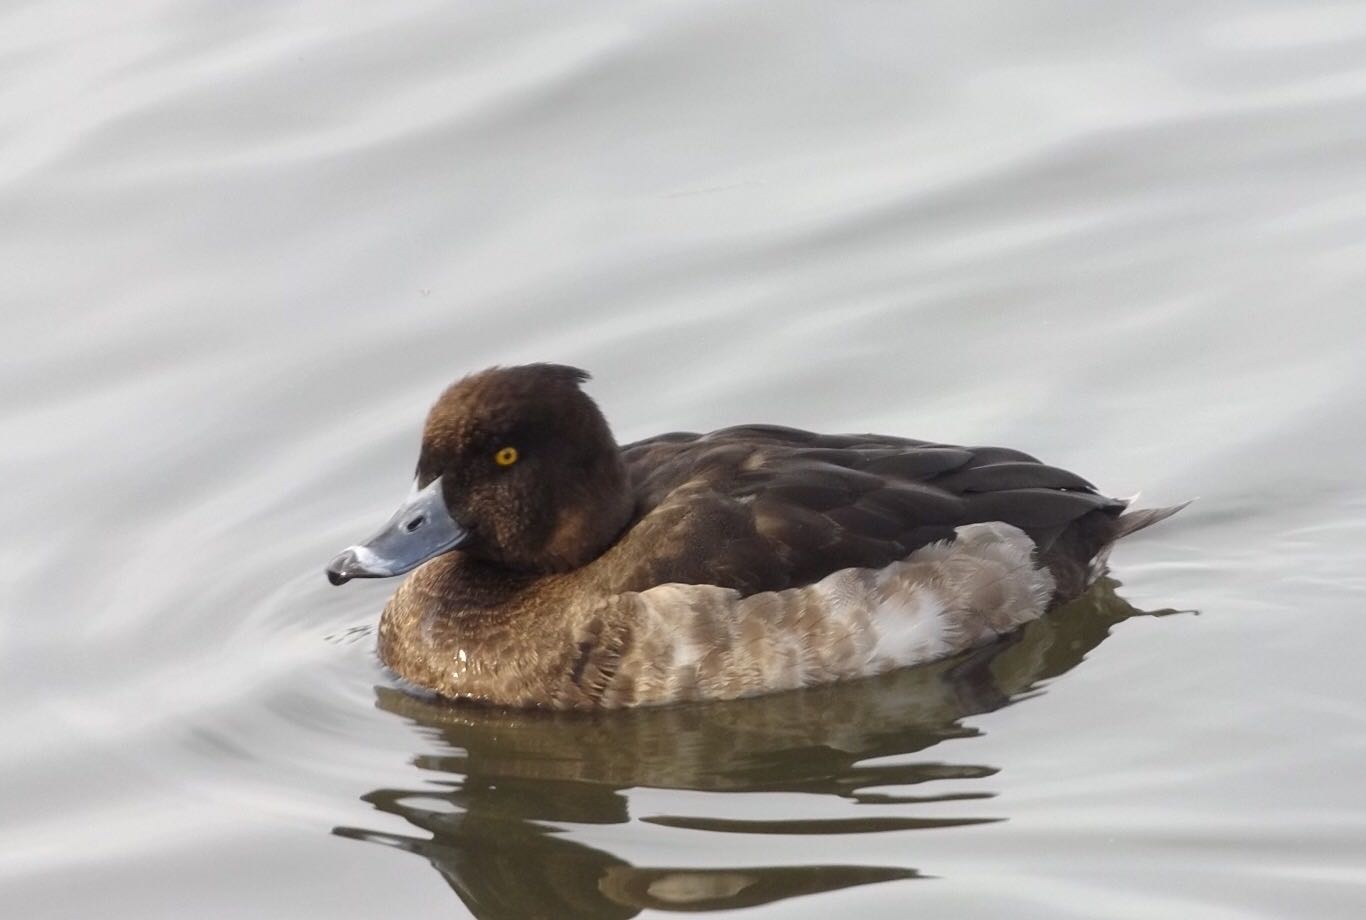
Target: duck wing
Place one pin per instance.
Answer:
(761, 508)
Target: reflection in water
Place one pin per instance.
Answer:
(490, 827)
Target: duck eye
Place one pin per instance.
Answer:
(506, 456)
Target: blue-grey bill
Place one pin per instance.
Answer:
(421, 529)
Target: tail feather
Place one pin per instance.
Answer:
(1134, 521)
(1128, 523)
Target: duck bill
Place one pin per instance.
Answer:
(420, 529)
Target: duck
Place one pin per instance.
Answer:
(550, 568)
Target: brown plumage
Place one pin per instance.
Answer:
(810, 557)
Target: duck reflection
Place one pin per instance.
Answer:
(508, 781)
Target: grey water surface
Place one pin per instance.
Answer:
(243, 245)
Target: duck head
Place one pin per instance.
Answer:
(518, 468)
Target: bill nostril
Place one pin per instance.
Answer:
(415, 523)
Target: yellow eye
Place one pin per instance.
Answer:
(506, 456)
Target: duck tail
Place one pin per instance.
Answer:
(1134, 521)
(1130, 522)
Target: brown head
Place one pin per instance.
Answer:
(517, 468)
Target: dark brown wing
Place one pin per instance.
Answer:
(764, 508)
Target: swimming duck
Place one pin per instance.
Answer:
(555, 569)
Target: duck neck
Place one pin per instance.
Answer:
(591, 517)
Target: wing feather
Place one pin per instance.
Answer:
(763, 507)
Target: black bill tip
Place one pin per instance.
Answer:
(343, 568)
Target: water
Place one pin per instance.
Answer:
(242, 246)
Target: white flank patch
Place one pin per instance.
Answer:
(944, 598)
(914, 628)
